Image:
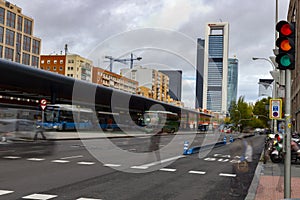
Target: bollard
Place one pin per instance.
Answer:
(231, 139)
(224, 140)
(185, 147)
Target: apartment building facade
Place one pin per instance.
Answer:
(73, 65)
(156, 81)
(113, 80)
(17, 42)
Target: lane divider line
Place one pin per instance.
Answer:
(197, 172)
(71, 157)
(60, 161)
(227, 175)
(167, 170)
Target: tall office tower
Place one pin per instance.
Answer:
(215, 73)
(175, 83)
(17, 42)
(232, 81)
(199, 73)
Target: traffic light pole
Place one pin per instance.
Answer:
(288, 125)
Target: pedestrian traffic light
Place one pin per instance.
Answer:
(286, 45)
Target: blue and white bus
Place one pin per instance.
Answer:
(60, 117)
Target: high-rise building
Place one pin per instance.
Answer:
(156, 81)
(17, 42)
(232, 84)
(175, 83)
(199, 73)
(215, 72)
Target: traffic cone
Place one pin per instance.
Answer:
(185, 147)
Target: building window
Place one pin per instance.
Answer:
(1, 34)
(2, 15)
(61, 61)
(20, 23)
(48, 61)
(26, 43)
(10, 19)
(1, 51)
(54, 68)
(35, 46)
(48, 68)
(10, 37)
(35, 61)
(27, 26)
(26, 59)
(42, 61)
(55, 62)
(9, 53)
(18, 47)
(60, 68)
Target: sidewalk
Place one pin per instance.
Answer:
(268, 183)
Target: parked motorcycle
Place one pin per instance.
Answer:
(276, 154)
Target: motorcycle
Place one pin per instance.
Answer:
(276, 154)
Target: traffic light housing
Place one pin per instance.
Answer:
(286, 45)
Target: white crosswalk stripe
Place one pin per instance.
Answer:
(3, 192)
(36, 159)
(40, 196)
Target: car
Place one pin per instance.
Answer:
(258, 131)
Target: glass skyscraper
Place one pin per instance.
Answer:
(215, 71)
(232, 81)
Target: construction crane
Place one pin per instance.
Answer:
(124, 61)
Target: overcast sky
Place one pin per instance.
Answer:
(162, 32)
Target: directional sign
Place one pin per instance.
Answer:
(43, 104)
(275, 108)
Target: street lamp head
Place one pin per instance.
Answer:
(139, 58)
(254, 58)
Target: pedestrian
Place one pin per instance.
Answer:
(39, 128)
(242, 152)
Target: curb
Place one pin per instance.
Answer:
(255, 181)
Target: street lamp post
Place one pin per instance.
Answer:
(239, 119)
(274, 92)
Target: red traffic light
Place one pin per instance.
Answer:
(285, 28)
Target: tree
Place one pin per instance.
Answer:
(261, 112)
(241, 113)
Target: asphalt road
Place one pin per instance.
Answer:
(72, 172)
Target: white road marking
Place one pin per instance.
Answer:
(11, 157)
(139, 167)
(85, 163)
(197, 172)
(60, 161)
(40, 196)
(146, 166)
(36, 159)
(111, 165)
(223, 160)
(228, 175)
(210, 159)
(3, 192)
(71, 157)
(167, 170)
(87, 199)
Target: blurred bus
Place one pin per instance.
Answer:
(161, 121)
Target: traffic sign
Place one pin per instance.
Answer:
(275, 108)
(43, 104)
